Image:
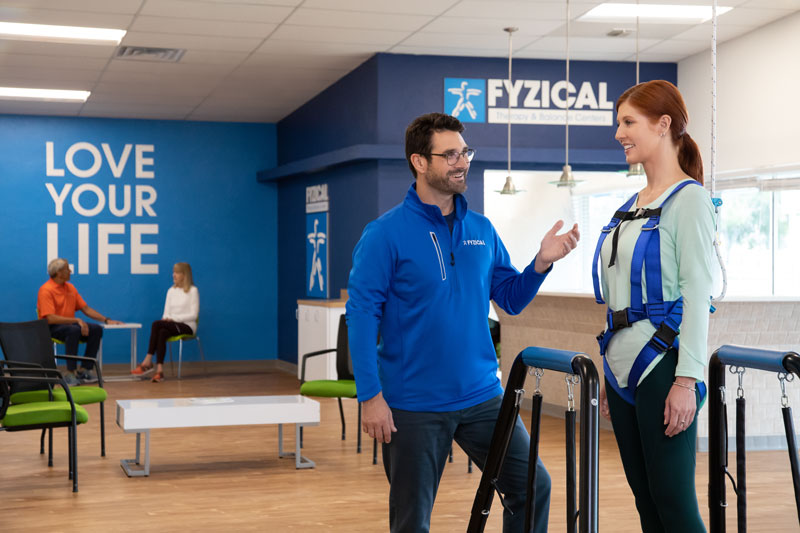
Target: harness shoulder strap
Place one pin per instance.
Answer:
(615, 221)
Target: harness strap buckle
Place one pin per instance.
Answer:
(664, 336)
(619, 320)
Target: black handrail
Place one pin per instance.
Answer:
(560, 361)
(743, 357)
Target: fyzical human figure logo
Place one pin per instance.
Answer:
(316, 239)
(463, 101)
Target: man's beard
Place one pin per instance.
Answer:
(442, 183)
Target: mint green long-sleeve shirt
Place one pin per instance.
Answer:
(686, 230)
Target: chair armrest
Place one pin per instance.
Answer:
(306, 356)
(81, 358)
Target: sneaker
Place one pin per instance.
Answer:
(87, 376)
(70, 379)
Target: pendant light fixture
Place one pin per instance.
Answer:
(636, 169)
(508, 187)
(567, 179)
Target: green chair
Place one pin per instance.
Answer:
(29, 342)
(186, 337)
(44, 415)
(342, 387)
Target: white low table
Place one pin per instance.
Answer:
(140, 416)
(133, 326)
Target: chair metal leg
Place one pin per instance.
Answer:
(41, 441)
(450, 459)
(171, 360)
(341, 413)
(102, 430)
(358, 429)
(202, 355)
(180, 357)
(374, 451)
(469, 465)
(50, 447)
(69, 454)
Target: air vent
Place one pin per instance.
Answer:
(146, 53)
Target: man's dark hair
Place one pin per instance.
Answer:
(419, 133)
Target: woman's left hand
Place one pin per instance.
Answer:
(680, 407)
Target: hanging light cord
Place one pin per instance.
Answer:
(566, 92)
(637, 42)
(717, 202)
(508, 143)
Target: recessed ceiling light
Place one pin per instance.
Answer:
(48, 95)
(663, 13)
(60, 34)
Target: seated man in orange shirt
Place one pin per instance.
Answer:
(58, 300)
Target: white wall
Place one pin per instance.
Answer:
(757, 111)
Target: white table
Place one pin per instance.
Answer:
(140, 416)
(133, 326)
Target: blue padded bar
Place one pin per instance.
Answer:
(768, 360)
(549, 358)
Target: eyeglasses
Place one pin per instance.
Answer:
(452, 157)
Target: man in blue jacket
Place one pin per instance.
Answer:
(422, 277)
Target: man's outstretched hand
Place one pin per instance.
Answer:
(555, 247)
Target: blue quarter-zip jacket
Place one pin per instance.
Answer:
(427, 294)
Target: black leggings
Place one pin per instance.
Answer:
(160, 331)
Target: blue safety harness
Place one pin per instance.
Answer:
(665, 316)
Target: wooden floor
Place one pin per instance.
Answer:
(231, 479)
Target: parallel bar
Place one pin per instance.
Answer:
(768, 360)
(549, 358)
(717, 438)
(590, 443)
(569, 420)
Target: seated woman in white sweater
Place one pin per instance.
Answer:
(180, 318)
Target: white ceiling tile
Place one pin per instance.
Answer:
(289, 60)
(702, 32)
(114, 97)
(288, 76)
(356, 19)
(662, 57)
(289, 3)
(55, 49)
(601, 29)
(512, 10)
(774, 4)
(440, 50)
(18, 107)
(412, 7)
(244, 12)
(66, 75)
(99, 6)
(171, 25)
(449, 24)
(676, 46)
(586, 45)
(578, 56)
(50, 62)
(66, 18)
(51, 83)
(338, 35)
(213, 57)
(165, 40)
(166, 88)
(136, 111)
(454, 40)
(752, 17)
(292, 47)
(169, 69)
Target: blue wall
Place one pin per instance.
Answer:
(208, 209)
(351, 137)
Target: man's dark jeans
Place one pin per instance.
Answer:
(70, 334)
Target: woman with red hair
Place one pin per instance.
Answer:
(655, 275)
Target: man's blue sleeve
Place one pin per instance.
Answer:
(367, 291)
(512, 290)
